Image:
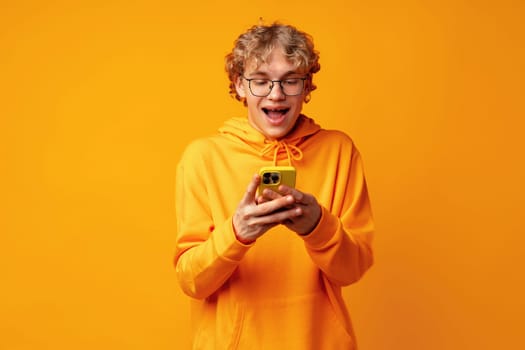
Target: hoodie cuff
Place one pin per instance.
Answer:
(324, 231)
(227, 246)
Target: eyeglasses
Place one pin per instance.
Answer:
(263, 87)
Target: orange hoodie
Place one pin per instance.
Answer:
(284, 290)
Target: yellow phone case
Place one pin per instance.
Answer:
(273, 176)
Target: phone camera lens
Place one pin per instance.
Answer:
(275, 178)
(266, 178)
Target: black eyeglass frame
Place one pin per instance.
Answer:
(273, 83)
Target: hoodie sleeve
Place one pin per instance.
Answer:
(206, 255)
(341, 243)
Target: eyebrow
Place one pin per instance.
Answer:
(291, 72)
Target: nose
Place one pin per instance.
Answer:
(276, 92)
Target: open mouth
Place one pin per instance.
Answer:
(275, 113)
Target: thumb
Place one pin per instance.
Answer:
(251, 190)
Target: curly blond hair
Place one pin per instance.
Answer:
(258, 42)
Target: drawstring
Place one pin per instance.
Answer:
(292, 152)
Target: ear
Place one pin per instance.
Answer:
(308, 90)
(240, 87)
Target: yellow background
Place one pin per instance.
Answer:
(98, 99)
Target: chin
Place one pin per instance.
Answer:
(277, 134)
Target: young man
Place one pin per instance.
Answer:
(265, 270)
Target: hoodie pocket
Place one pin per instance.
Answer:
(304, 322)
(220, 325)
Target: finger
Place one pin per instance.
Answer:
(267, 195)
(271, 194)
(251, 190)
(299, 196)
(262, 199)
(286, 215)
(278, 217)
(273, 205)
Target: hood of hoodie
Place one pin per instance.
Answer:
(239, 130)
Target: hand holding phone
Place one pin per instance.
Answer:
(306, 209)
(252, 219)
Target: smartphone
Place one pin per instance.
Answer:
(274, 176)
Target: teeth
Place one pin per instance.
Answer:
(282, 111)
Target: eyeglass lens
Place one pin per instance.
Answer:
(289, 87)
